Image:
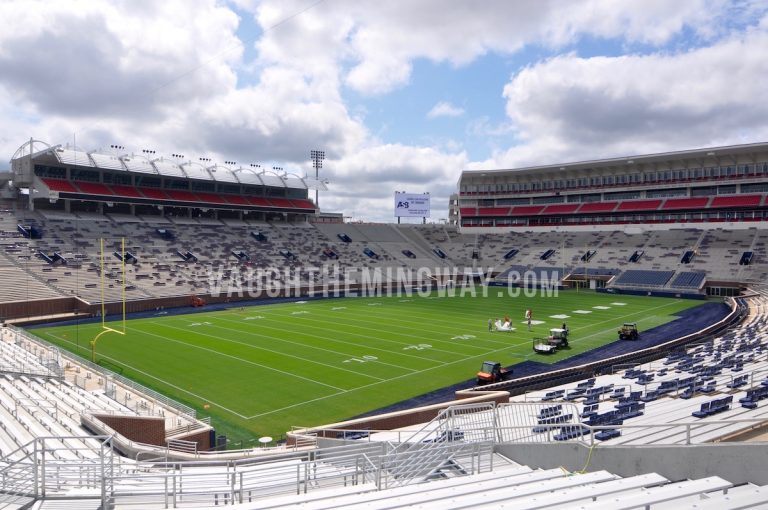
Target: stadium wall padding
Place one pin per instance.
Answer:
(653, 293)
(42, 307)
(24, 313)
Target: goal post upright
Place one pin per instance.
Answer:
(104, 327)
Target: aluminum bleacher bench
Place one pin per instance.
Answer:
(753, 396)
(554, 420)
(709, 388)
(738, 382)
(548, 412)
(575, 393)
(607, 434)
(589, 410)
(618, 393)
(650, 396)
(552, 395)
(713, 407)
(633, 410)
(571, 432)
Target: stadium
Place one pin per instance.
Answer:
(181, 335)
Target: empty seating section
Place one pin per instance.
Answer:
(493, 211)
(236, 199)
(259, 201)
(666, 402)
(687, 279)
(93, 188)
(644, 278)
(598, 207)
(525, 210)
(638, 205)
(210, 198)
(719, 254)
(685, 203)
(561, 208)
(302, 203)
(737, 201)
(126, 191)
(181, 195)
(720, 385)
(153, 193)
(132, 192)
(60, 185)
(37, 400)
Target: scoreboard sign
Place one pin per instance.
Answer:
(414, 205)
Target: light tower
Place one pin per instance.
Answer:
(317, 162)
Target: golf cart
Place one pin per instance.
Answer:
(557, 339)
(541, 346)
(629, 331)
(492, 372)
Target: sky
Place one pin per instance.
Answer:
(402, 95)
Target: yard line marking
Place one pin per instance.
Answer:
(448, 331)
(275, 352)
(443, 365)
(291, 374)
(422, 358)
(397, 377)
(317, 337)
(163, 381)
(380, 382)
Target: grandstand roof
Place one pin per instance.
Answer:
(168, 167)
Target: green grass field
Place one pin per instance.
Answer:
(263, 369)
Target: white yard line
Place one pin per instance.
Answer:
(357, 345)
(291, 374)
(163, 381)
(306, 360)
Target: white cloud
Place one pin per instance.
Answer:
(444, 109)
(570, 108)
(170, 76)
(388, 36)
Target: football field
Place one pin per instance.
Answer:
(260, 370)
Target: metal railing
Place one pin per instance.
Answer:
(43, 468)
(109, 375)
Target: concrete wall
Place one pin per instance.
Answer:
(400, 419)
(737, 463)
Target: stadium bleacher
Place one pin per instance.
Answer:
(644, 278)
(51, 437)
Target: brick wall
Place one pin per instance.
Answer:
(143, 429)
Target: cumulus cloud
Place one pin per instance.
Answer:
(178, 76)
(388, 36)
(444, 109)
(569, 107)
(376, 172)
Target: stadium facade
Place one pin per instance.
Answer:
(712, 185)
(673, 416)
(63, 178)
